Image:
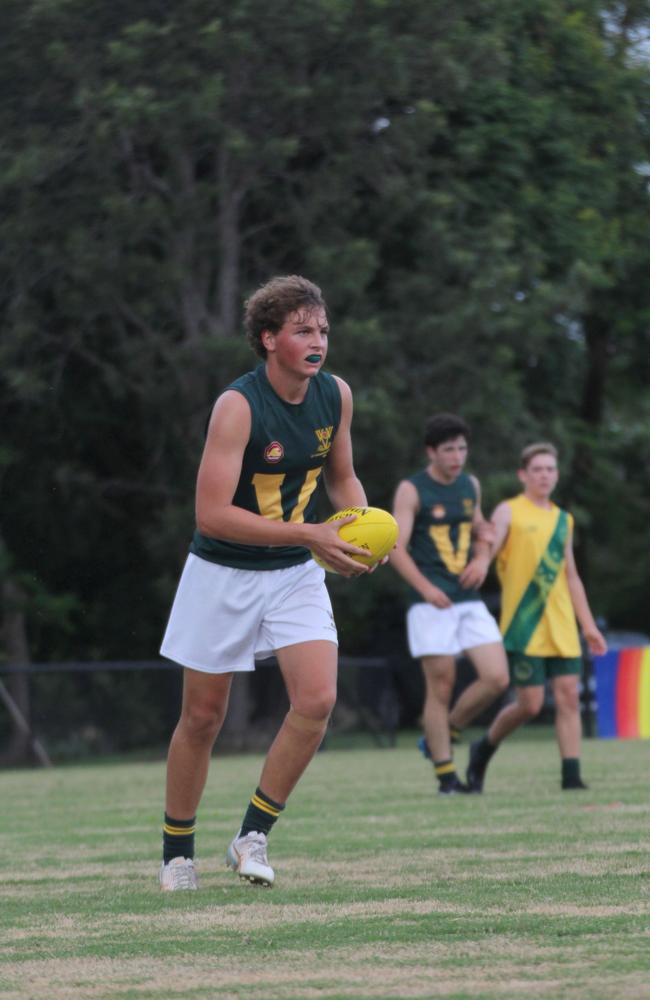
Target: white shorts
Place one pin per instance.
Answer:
(449, 631)
(224, 619)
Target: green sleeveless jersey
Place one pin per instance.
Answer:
(281, 467)
(442, 532)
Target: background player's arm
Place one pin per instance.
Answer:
(500, 521)
(593, 637)
(219, 472)
(405, 507)
(482, 533)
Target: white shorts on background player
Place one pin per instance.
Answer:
(435, 631)
(224, 619)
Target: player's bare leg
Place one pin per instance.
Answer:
(491, 665)
(528, 703)
(439, 674)
(205, 701)
(568, 728)
(568, 725)
(309, 670)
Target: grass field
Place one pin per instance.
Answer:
(383, 889)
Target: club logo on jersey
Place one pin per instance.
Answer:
(274, 452)
(438, 511)
(324, 435)
(468, 506)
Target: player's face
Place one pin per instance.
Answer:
(300, 345)
(540, 476)
(449, 458)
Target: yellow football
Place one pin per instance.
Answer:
(374, 530)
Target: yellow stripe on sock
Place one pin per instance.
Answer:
(264, 806)
(178, 831)
(445, 768)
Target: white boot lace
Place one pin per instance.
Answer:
(182, 876)
(256, 847)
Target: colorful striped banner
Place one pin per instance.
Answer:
(623, 693)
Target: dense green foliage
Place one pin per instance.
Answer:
(468, 184)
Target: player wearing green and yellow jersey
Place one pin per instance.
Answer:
(441, 556)
(249, 586)
(541, 595)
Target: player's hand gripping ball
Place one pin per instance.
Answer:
(374, 530)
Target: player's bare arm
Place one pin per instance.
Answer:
(405, 508)
(476, 570)
(593, 636)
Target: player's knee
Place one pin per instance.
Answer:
(498, 683)
(440, 690)
(567, 702)
(203, 722)
(316, 706)
(530, 707)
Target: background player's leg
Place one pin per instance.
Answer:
(439, 675)
(489, 661)
(568, 728)
(528, 703)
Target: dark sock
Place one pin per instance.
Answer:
(483, 751)
(178, 838)
(261, 814)
(571, 773)
(445, 772)
(455, 734)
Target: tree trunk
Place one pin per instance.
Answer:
(593, 395)
(17, 652)
(592, 405)
(230, 198)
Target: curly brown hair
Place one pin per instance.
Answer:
(269, 306)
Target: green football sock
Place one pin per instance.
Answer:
(178, 838)
(261, 814)
(445, 772)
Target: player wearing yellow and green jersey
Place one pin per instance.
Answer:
(541, 596)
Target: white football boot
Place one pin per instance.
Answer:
(247, 856)
(179, 873)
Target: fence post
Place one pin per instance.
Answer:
(24, 727)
